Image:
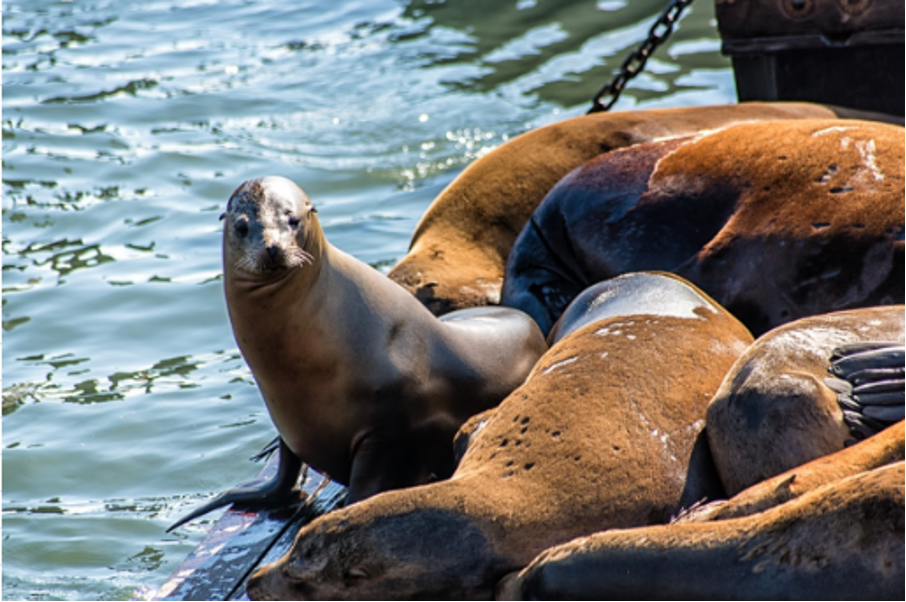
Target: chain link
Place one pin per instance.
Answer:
(635, 62)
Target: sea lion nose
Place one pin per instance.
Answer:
(273, 251)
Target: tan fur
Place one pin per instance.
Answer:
(841, 541)
(460, 247)
(884, 448)
(777, 220)
(773, 411)
(599, 436)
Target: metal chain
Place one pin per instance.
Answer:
(635, 62)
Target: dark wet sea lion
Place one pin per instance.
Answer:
(843, 541)
(775, 220)
(774, 410)
(361, 381)
(460, 247)
(878, 450)
(600, 435)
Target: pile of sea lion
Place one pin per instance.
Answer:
(656, 448)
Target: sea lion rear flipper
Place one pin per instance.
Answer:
(260, 492)
(869, 382)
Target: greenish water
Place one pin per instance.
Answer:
(127, 124)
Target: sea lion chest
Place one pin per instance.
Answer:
(335, 363)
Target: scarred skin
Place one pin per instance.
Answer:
(460, 247)
(842, 541)
(774, 410)
(361, 381)
(616, 405)
(775, 220)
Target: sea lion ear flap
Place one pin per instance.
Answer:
(229, 206)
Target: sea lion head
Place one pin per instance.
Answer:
(399, 545)
(270, 227)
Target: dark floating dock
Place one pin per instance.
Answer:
(244, 539)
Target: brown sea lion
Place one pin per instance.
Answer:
(600, 435)
(459, 248)
(843, 541)
(775, 220)
(361, 381)
(774, 410)
(879, 450)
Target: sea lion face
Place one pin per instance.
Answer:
(381, 549)
(269, 227)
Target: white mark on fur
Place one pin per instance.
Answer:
(559, 364)
(867, 151)
(836, 128)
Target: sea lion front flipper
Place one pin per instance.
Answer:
(869, 382)
(260, 492)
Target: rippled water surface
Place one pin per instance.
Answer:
(126, 125)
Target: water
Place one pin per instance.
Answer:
(126, 125)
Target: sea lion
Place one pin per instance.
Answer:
(774, 410)
(362, 382)
(775, 220)
(843, 541)
(878, 450)
(459, 248)
(600, 435)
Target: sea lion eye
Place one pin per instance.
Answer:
(293, 221)
(242, 227)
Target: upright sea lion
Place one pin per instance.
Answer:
(600, 435)
(459, 248)
(361, 381)
(774, 410)
(843, 541)
(775, 220)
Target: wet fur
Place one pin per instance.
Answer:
(460, 247)
(774, 411)
(361, 381)
(615, 407)
(775, 220)
(842, 541)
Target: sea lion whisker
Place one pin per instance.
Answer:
(297, 256)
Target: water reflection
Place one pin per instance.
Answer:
(17, 395)
(148, 559)
(564, 50)
(61, 256)
(131, 88)
(169, 374)
(27, 27)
